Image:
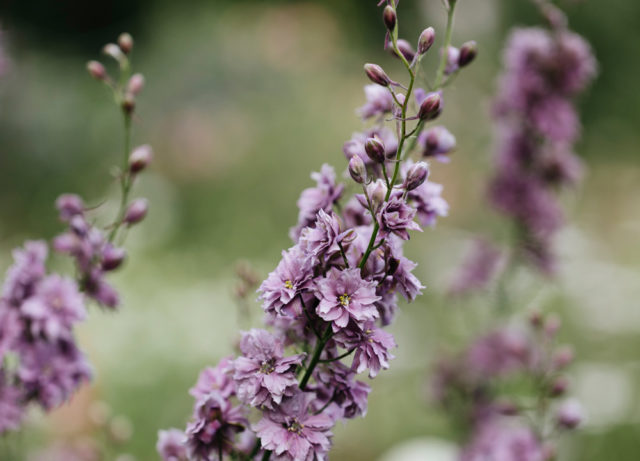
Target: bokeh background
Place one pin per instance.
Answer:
(243, 100)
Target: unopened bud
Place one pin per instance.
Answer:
(140, 158)
(375, 150)
(69, 205)
(559, 387)
(562, 357)
(112, 258)
(438, 141)
(376, 74)
(430, 107)
(136, 84)
(125, 42)
(552, 325)
(416, 175)
(468, 52)
(427, 37)
(357, 170)
(96, 70)
(406, 49)
(377, 192)
(113, 50)
(136, 212)
(535, 319)
(570, 414)
(128, 103)
(389, 17)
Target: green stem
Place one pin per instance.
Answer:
(125, 179)
(340, 357)
(445, 49)
(326, 336)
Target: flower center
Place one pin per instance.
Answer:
(295, 426)
(344, 299)
(267, 367)
(288, 284)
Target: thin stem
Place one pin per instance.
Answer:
(340, 357)
(326, 336)
(266, 456)
(125, 180)
(344, 255)
(447, 44)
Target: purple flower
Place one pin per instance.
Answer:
(403, 279)
(498, 441)
(355, 146)
(569, 414)
(324, 238)
(396, 217)
(337, 384)
(499, 352)
(69, 205)
(27, 270)
(453, 55)
(262, 374)
(345, 296)
(314, 199)
(372, 348)
(479, 268)
(51, 372)
(212, 430)
(426, 199)
(171, 445)
(379, 102)
(280, 292)
(437, 142)
(216, 378)
(55, 307)
(294, 434)
(10, 405)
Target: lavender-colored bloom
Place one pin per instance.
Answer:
(294, 434)
(262, 374)
(355, 146)
(570, 414)
(404, 281)
(478, 269)
(216, 378)
(437, 142)
(171, 445)
(372, 348)
(324, 238)
(453, 56)
(498, 441)
(500, 352)
(426, 198)
(27, 270)
(314, 199)
(355, 214)
(387, 306)
(215, 423)
(69, 205)
(280, 292)
(379, 102)
(345, 296)
(396, 217)
(50, 373)
(11, 328)
(55, 307)
(337, 383)
(10, 405)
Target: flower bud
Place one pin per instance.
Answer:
(125, 42)
(140, 158)
(468, 52)
(570, 414)
(427, 37)
(438, 141)
(430, 107)
(113, 50)
(112, 258)
(559, 387)
(389, 17)
(376, 74)
(78, 225)
(535, 319)
(128, 103)
(96, 70)
(69, 205)
(377, 192)
(136, 83)
(453, 54)
(552, 325)
(406, 49)
(562, 357)
(136, 212)
(357, 170)
(375, 150)
(416, 175)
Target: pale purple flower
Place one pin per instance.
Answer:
(404, 281)
(437, 142)
(53, 309)
(324, 237)
(28, 269)
(218, 378)
(426, 199)
(478, 269)
(69, 205)
(263, 374)
(500, 441)
(337, 384)
(355, 146)
(345, 296)
(569, 414)
(294, 434)
(281, 291)
(379, 102)
(453, 55)
(372, 348)
(171, 445)
(499, 352)
(210, 435)
(314, 199)
(11, 409)
(396, 217)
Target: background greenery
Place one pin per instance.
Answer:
(243, 100)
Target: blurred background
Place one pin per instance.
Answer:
(243, 100)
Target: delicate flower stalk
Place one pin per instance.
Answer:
(39, 309)
(333, 292)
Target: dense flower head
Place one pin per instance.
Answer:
(27, 270)
(344, 297)
(337, 383)
(500, 441)
(372, 346)
(293, 433)
(396, 217)
(218, 378)
(324, 238)
(263, 375)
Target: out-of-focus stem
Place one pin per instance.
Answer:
(125, 178)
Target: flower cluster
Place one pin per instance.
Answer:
(478, 387)
(544, 71)
(40, 361)
(333, 292)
